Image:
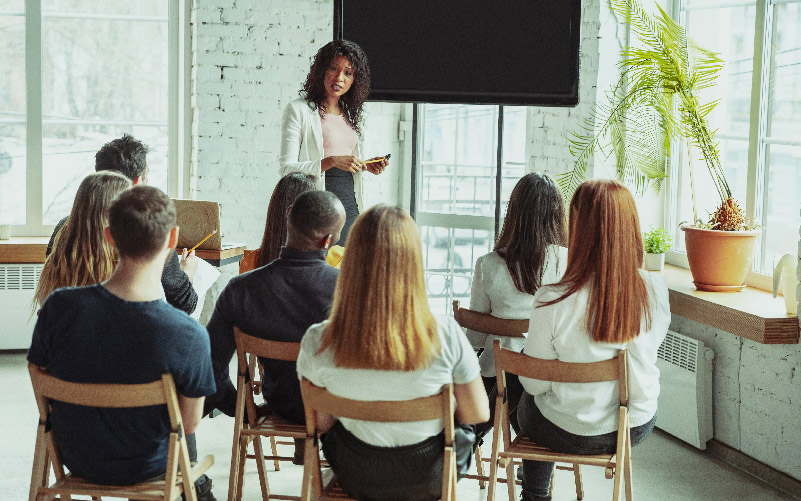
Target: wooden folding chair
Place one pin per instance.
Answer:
(615, 369)
(248, 348)
(316, 399)
(47, 388)
(488, 324)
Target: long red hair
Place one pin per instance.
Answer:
(605, 252)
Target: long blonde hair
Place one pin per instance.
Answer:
(380, 318)
(81, 255)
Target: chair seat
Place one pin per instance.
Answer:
(153, 489)
(274, 425)
(524, 447)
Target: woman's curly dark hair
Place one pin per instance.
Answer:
(351, 102)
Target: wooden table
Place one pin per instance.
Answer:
(751, 313)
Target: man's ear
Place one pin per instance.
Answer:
(109, 238)
(326, 242)
(137, 180)
(172, 238)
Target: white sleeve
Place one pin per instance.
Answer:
(291, 138)
(306, 357)
(479, 301)
(465, 364)
(539, 342)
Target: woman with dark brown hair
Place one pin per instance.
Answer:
(320, 131)
(603, 304)
(285, 192)
(527, 254)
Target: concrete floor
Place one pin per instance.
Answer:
(664, 468)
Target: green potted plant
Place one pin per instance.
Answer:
(656, 241)
(655, 103)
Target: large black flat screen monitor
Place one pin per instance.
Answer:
(517, 52)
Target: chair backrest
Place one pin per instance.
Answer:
(439, 406)
(613, 369)
(278, 350)
(162, 392)
(47, 388)
(489, 324)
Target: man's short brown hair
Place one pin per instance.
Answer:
(140, 219)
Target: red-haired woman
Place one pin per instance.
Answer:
(604, 303)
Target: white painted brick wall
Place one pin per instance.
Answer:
(547, 147)
(250, 60)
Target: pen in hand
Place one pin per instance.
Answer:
(197, 244)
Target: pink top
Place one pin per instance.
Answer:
(339, 138)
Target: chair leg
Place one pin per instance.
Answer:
(579, 483)
(274, 448)
(265, 485)
(480, 467)
(510, 479)
(493, 478)
(40, 472)
(239, 481)
(627, 472)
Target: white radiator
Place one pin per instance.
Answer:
(17, 285)
(685, 400)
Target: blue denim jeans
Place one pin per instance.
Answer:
(537, 474)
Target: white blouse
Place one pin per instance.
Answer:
(559, 331)
(456, 364)
(493, 291)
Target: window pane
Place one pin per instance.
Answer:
(12, 114)
(730, 32)
(12, 174)
(137, 8)
(514, 152)
(784, 192)
(448, 258)
(12, 6)
(458, 160)
(69, 155)
(104, 69)
(785, 88)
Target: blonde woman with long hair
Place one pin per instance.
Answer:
(382, 342)
(81, 255)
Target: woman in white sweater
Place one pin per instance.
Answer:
(604, 303)
(381, 342)
(320, 131)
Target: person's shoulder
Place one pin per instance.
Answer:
(547, 293)
(299, 105)
(312, 340)
(491, 258)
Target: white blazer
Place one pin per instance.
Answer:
(302, 145)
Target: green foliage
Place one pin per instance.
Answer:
(654, 102)
(656, 240)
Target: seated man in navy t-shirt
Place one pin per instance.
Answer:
(122, 332)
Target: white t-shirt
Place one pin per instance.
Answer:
(456, 364)
(559, 331)
(493, 291)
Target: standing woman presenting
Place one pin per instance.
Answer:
(320, 131)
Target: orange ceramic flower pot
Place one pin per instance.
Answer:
(719, 260)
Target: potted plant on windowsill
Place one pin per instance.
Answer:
(655, 103)
(656, 242)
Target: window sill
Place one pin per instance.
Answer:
(751, 313)
(23, 250)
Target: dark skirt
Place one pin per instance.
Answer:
(340, 183)
(410, 472)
